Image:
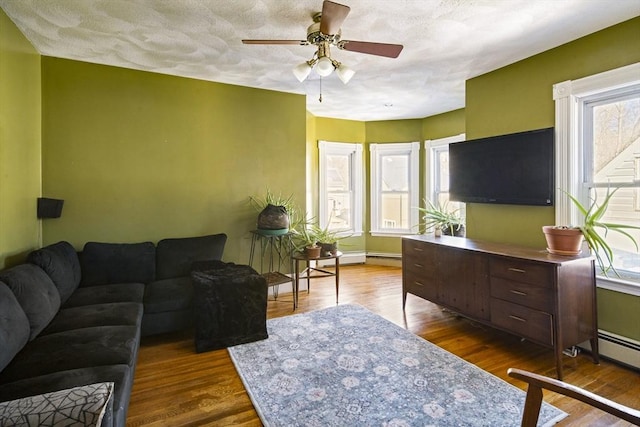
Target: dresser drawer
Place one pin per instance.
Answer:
(420, 286)
(521, 271)
(523, 321)
(418, 267)
(531, 296)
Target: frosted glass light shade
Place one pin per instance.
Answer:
(324, 67)
(302, 71)
(344, 73)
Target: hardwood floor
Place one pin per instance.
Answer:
(174, 386)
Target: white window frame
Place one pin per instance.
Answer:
(377, 151)
(570, 97)
(354, 151)
(431, 148)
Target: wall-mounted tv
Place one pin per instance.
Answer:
(514, 169)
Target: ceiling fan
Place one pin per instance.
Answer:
(324, 33)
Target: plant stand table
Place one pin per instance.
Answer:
(314, 272)
(275, 253)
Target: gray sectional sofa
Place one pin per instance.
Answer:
(70, 319)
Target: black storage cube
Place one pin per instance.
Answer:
(230, 307)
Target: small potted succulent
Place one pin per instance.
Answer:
(305, 240)
(328, 239)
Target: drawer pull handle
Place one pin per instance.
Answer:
(418, 283)
(417, 249)
(513, 291)
(519, 319)
(516, 270)
(418, 265)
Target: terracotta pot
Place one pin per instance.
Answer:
(312, 252)
(563, 240)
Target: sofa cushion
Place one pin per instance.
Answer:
(104, 263)
(113, 314)
(14, 326)
(80, 348)
(60, 261)
(168, 295)
(86, 405)
(36, 293)
(120, 375)
(117, 292)
(175, 256)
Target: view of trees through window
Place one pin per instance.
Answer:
(614, 148)
(339, 191)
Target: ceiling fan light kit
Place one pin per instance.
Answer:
(302, 71)
(324, 32)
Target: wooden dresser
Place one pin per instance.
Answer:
(544, 298)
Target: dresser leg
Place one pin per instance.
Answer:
(595, 354)
(559, 362)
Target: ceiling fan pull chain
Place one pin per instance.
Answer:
(320, 99)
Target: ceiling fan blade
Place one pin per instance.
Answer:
(333, 15)
(380, 49)
(298, 42)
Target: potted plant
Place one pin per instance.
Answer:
(589, 230)
(306, 241)
(441, 218)
(328, 239)
(277, 214)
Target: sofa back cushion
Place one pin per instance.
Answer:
(14, 326)
(175, 256)
(107, 263)
(36, 294)
(60, 261)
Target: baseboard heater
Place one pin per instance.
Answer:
(617, 348)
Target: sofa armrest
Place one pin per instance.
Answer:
(88, 405)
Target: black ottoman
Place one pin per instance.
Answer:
(230, 304)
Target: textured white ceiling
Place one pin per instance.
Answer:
(445, 43)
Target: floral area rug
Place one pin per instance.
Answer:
(346, 366)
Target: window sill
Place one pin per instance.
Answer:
(398, 233)
(618, 285)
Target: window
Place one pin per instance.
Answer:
(341, 187)
(394, 188)
(437, 180)
(597, 147)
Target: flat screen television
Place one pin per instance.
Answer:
(514, 169)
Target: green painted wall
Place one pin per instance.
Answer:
(444, 125)
(20, 108)
(141, 156)
(518, 98)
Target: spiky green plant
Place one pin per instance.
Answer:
(270, 198)
(597, 241)
(440, 216)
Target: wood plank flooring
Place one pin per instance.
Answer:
(174, 386)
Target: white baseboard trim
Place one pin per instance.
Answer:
(345, 259)
(616, 347)
(382, 258)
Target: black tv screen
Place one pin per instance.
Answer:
(514, 169)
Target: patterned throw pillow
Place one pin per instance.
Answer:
(77, 406)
